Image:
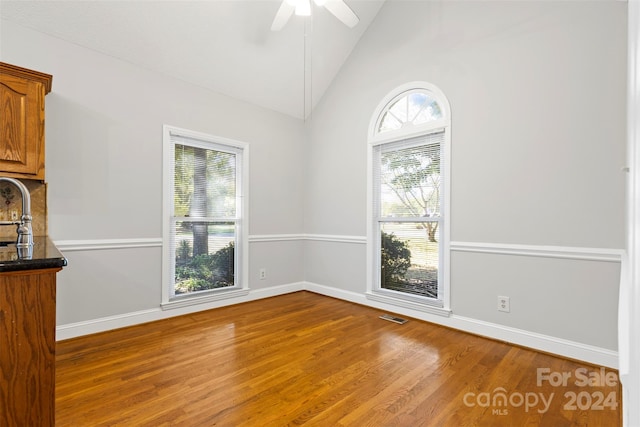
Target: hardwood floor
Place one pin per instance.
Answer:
(303, 358)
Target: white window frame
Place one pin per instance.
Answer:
(375, 139)
(241, 286)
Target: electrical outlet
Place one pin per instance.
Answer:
(14, 215)
(504, 304)
(263, 273)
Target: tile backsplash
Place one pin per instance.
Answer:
(11, 207)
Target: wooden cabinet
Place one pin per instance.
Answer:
(27, 348)
(22, 93)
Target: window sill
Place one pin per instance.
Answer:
(191, 300)
(425, 308)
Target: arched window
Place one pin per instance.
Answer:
(409, 157)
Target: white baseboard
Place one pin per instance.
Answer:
(540, 342)
(546, 343)
(73, 330)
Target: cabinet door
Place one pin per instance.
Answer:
(27, 355)
(21, 127)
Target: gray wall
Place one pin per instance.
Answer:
(537, 92)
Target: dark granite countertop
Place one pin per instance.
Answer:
(44, 255)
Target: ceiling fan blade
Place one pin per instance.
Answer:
(283, 15)
(343, 12)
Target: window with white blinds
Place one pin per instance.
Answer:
(407, 209)
(409, 196)
(205, 214)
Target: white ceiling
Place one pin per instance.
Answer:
(224, 45)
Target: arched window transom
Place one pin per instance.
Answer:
(411, 108)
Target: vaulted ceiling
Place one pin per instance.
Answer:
(222, 45)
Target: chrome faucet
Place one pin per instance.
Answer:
(25, 232)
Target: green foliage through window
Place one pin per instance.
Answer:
(204, 271)
(408, 261)
(395, 259)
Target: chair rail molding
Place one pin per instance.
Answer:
(102, 244)
(564, 252)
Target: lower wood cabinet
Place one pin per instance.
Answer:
(27, 348)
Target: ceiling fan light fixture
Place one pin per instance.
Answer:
(337, 8)
(303, 8)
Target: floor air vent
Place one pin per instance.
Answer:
(394, 319)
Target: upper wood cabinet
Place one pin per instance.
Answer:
(22, 93)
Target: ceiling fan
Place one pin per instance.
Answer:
(303, 8)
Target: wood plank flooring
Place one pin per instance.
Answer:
(306, 359)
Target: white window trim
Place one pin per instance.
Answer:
(376, 138)
(242, 262)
